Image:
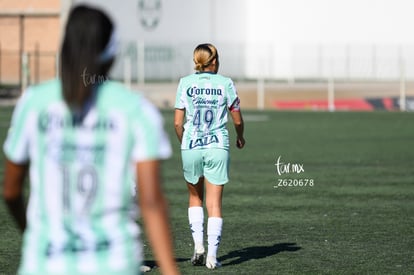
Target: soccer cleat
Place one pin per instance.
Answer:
(145, 268)
(197, 259)
(212, 263)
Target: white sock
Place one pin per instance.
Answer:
(214, 226)
(196, 220)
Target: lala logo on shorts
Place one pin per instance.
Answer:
(203, 141)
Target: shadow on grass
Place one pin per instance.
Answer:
(256, 252)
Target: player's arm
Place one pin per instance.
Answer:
(14, 176)
(154, 212)
(237, 117)
(179, 123)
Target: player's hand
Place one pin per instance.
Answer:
(240, 142)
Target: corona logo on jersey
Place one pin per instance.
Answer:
(150, 13)
(193, 91)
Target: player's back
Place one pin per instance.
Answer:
(206, 98)
(80, 202)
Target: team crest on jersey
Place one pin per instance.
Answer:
(199, 142)
(149, 13)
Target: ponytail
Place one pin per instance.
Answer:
(87, 50)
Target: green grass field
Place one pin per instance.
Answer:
(357, 218)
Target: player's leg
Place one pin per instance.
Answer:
(196, 220)
(196, 193)
(192, 166)
(216, 175)
(214, 223)
(214, 194)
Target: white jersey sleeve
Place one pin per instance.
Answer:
(151, 140)
(16, 146)
(231, 94)
(180, 100)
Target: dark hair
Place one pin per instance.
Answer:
(88, 31)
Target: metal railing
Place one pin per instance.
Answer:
(168, 62)
(139, 63)
(36, 66)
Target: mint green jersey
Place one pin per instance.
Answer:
(79, 213)
(206, 98)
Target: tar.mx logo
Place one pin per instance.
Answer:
(287, 167)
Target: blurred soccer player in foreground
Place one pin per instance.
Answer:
(82, 138)
(202, 104)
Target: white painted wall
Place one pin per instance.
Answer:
(279, 38)
(330, 21)
(304, 32)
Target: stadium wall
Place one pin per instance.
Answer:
(30, 28)
(284, 44)
(271, 39)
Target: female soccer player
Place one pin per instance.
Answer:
(83, 138)
(203, 101)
